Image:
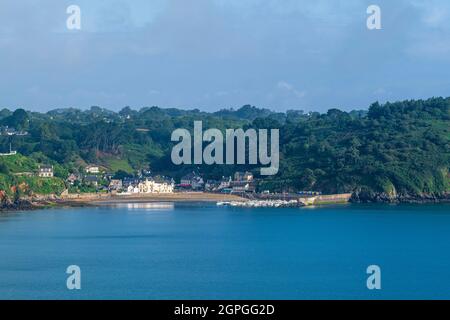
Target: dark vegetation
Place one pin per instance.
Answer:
(393, 150)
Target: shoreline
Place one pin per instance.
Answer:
(92, 200)
(170, 197)
(108, 199)
(85, 200)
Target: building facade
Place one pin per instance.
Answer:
(193, 180)
(155, 186)
(92, 169)
(45, 171)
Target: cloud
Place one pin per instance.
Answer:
(289, 88)
(222, 53)
(434, 13)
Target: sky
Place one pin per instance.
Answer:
(311, 55)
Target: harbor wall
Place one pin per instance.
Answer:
(333, 198)
(326, 199)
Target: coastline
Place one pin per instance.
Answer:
(169, 197)
(362, 197)
(85, 200)
(106, 199)
(37, 202)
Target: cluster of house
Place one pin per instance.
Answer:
(7, 131)
(91, 176)
(242, 182)
(144, 183)
(156, 184)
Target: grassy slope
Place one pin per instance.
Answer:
(13, 165)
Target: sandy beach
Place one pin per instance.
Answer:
(170, 197)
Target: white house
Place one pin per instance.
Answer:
(92, 169)
(156, 186)
(115, 184)
(132, 189)
(224, 183)
(45, 171)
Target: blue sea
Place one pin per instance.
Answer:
(201, 251)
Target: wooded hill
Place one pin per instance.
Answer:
(392, 150)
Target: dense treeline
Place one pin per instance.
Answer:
(393, 149)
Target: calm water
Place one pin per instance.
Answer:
(200, 251)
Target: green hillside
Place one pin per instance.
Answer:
(390, 150)
(17, 175)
